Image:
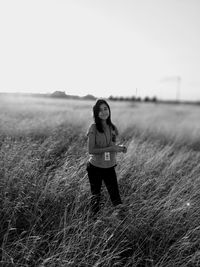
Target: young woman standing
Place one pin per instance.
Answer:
(102, 149)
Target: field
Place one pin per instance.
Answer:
(45, 194)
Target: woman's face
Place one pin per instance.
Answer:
(103, 112)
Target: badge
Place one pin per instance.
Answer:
(107, 156)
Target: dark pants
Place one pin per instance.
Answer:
(96, 176)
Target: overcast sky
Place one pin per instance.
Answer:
(105, 47)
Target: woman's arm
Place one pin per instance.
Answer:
(94, 150)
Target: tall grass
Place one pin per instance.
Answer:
(45, 194)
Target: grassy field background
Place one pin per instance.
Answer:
(45, 194)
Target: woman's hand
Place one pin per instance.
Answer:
(124, 149)
(119, 148)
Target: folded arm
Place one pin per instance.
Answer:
(95, 150)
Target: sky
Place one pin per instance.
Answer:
(105, 47)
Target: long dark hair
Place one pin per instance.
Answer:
(97, 120)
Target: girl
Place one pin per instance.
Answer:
(102, 149)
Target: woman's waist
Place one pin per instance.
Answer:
(93, 165)
(104, 155)
(104, 160)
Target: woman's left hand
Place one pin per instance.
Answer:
(123, 149)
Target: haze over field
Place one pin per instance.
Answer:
(108, 47)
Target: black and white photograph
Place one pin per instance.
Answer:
(99, 133)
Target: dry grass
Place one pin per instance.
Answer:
(44, 191)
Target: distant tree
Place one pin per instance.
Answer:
(154, 99)
(113, 98)
(133, 98)
(89, 97)
(121, 98)
(146, 99)
(59, 94)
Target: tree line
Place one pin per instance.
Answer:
(62, 94)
